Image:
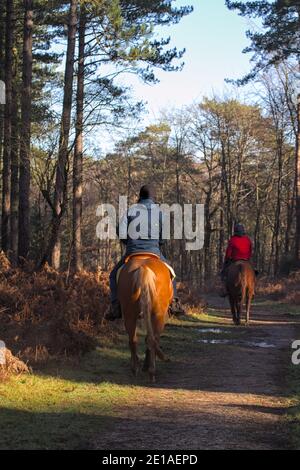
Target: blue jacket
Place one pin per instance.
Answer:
(144, 217)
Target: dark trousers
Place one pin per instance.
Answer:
(224, 271)
(113, 279)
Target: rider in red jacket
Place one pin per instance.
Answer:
(239, 248)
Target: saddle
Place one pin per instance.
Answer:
(224, 272)
(248, 261)
(145, 255)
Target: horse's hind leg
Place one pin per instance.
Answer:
(134, 356)
(147, 358)
(233, 309)
(131, 330)
(238, 311)
(248, 306)
(158, 327)
(158, 351)
(151, 358)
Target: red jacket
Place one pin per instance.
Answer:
(239, 248)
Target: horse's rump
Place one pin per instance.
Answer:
(145, 287)
(145, 256)
(240, 275)
(240, 285)
(145, 293)
(147, 277)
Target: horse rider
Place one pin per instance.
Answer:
(145, 243)
(239, 248)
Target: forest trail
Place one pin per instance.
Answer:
(226, 387)
(228, 394)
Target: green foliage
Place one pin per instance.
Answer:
(280, 37)
(125, 34)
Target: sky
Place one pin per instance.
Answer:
(214, 38)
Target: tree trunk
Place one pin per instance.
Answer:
(25, 134)
(55, 257)
(78, 152)
(221, 229)
(207, 237)
(60, 194)
(177, 179)
(278, 202)
(289, 219)
(2, 68)
(297, 176)
(14, 190)
(9, 38)
(2, 39)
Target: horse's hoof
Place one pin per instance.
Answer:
(152, 379)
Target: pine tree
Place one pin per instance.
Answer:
(2, 68)
(60, 192)
(9, 41)
(78, 150)
(279, 41)
(25, 136)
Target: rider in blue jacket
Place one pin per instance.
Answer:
(146, 242)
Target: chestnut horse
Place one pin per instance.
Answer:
(240, 283)
(145, 288)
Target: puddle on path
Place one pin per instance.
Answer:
(213, 330)
(253, 344)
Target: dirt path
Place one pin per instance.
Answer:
(227, 395)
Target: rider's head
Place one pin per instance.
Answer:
(147, 192)
(239, 229)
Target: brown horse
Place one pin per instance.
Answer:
(145, 288)
(240, 285)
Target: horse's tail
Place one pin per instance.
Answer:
(145, 292)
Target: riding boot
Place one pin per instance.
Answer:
(176, 308)
(114, 312)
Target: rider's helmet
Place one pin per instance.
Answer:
(147, 192)
(239, 230)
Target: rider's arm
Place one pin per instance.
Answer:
(228, 254)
